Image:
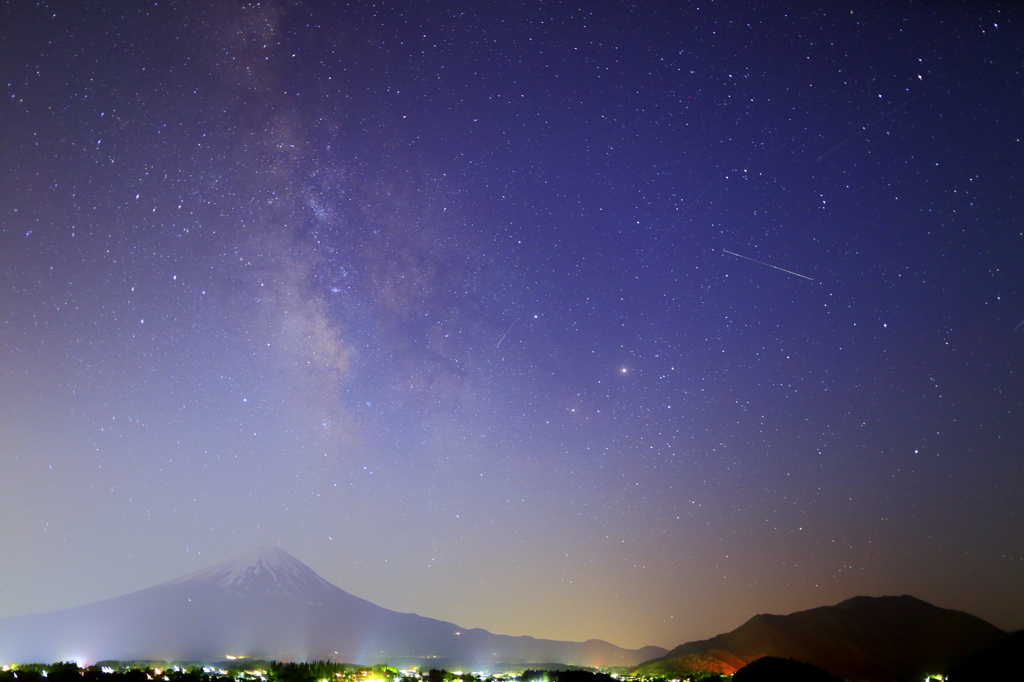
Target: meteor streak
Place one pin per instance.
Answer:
(657, 242)
(506, 332)
(862, 131)
(761, 262)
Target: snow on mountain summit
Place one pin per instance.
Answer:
(263, 570)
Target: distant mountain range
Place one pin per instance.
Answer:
(881, 639)
(267, 604)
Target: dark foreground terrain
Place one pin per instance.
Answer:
(273, 671)
(880, 639)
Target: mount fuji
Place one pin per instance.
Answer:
(265, 603)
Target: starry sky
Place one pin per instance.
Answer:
(612, 319)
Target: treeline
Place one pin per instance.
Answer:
(260, 671)
(571, 675)
(321, 670)
(163, 671)
(70, 672)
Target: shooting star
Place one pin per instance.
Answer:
(761, 262)
(1019, 325)
(863, 130)
(657, 242)
(506, 332)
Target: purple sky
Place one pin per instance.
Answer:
(621, 320)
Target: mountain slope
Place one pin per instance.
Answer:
(883, 639)
(265, 603)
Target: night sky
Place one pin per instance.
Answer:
(626, 320)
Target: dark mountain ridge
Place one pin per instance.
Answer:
(882, 639)
(267, 604)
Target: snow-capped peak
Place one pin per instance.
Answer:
(263, 570)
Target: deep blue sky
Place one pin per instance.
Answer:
(612, 319)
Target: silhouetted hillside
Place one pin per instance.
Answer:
(883, 639)
(995, 662)
(773, 669)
